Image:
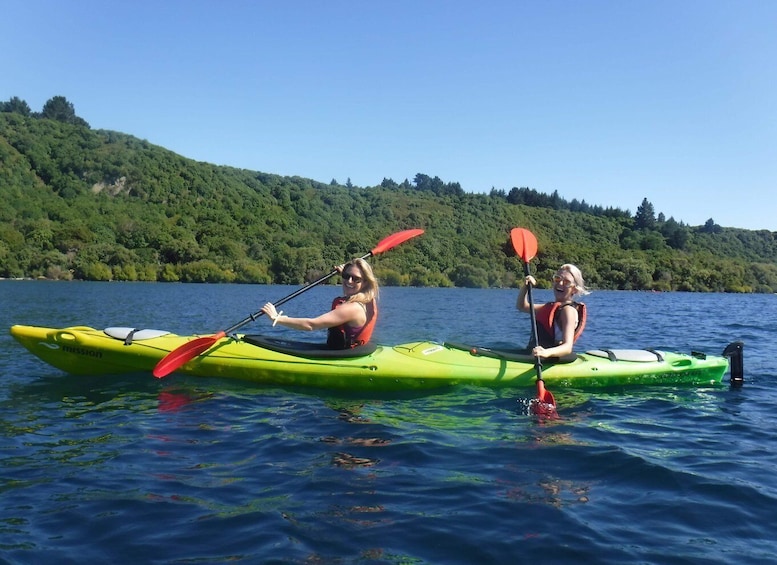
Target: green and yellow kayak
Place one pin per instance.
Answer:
(409, 366)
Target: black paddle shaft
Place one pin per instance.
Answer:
(533, 314)
(285, 299)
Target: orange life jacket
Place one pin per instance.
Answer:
(345, 336)
(546, 317)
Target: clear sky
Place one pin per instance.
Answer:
(607, 101)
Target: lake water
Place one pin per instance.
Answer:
(132, 469)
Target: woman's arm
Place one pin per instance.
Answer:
(523, 302)
(347, 313)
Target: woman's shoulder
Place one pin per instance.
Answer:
(353, 305)
(576, 309)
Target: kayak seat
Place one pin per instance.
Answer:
(307, 349)
(519, 355)
(128, 335)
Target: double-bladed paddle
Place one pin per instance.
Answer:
(525, 245)
(191, 349)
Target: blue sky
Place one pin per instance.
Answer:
(607, 101)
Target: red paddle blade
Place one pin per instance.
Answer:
(544, 395)
(544, 405)
(180, 356)
(524, 243)
(544, 411)
(395, 239)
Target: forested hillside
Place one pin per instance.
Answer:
(77, 203)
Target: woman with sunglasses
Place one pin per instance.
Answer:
(352, 318)
(559, 323)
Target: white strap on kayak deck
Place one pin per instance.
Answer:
(128, 335)
(633, 355)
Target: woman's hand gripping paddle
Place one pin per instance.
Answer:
(525, 245)
(191, 349)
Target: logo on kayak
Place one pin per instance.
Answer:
(431, 350)
(82, 352)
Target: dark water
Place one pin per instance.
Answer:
(183, 470)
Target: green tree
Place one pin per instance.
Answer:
(711, 227)
(16, 105)
(58, 108)
(468, 276)
(645, 218)
(676, 235)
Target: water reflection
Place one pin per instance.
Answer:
(352, 414)
(174, 400)
(553, 492)
(361, 442)
(348, 461)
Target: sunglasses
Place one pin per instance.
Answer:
(351, 276)
(562, 280)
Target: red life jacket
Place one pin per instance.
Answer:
(345, 336)
(546, 317)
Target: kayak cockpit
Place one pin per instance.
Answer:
(307, 349)
(517, 355)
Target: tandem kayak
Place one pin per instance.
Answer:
(372, 367)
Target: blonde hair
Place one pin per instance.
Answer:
(369, 290)
(577, 275)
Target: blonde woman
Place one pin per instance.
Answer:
(352, 318)
(559, 323)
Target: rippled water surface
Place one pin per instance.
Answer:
(132, 469)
